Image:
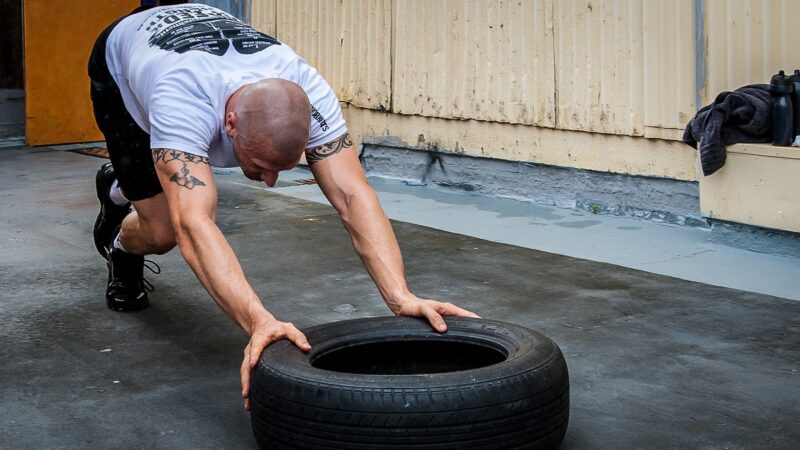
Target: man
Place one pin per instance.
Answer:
(177, 89)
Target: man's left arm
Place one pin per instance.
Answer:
(339, 174)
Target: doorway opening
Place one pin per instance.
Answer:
(12, 80)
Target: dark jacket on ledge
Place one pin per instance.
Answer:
(738, 116)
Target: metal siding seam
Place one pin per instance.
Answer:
(392, 49)
(344, 38)
(517, 96)
(314, 22)
(487, 54)
(440, 46)
(522, 108)
(636, 116)
(765, 41)
(701, 55)
(556, 91)
(729, 43)
(784, 33)
(746, 48)
(400, 52)
(508, 59)
(397, 55)
(323, 22)
(468, 66)
(511, 64)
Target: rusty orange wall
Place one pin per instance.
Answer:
(59, 35)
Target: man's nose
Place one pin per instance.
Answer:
(270, 178)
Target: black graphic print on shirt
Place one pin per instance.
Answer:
(185, 28)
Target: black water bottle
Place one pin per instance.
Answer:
(781, 111)
(796, 102)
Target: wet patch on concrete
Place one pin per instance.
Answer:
(577, 224)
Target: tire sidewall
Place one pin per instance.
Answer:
(287, 370)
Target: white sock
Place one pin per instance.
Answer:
(116, 195)
(118, 243)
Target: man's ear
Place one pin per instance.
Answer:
(231, 119)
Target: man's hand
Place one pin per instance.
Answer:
(265, 333)
(431, 310)
(337, 170)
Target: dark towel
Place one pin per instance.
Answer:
(738, 116)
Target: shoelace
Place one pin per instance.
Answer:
(154, 268)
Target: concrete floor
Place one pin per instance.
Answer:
(678, 251)
(655, 361)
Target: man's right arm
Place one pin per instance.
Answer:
(192, 198)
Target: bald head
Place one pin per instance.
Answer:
(270, 121)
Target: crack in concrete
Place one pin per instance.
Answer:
(675, 258)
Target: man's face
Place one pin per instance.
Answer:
(263, 165)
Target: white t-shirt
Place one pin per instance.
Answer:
(176, 66)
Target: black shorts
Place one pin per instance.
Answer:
(128, 145)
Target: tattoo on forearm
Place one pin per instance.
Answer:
(183, 177)
(331, 148)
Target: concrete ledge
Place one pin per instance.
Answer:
(759, 185)
(656, 199)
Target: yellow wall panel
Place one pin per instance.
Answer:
(348, 41)
(475, 59)
(599, 60)
(592, 151)
(748, 41)
(591, 71)
(263, 16)
(669, 67)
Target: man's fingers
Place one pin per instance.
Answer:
(245, 373)
(257, 347)
(433, 311)
(263, 336)
(298, 338)
(449, 309)
(288, 331)
(435, 319)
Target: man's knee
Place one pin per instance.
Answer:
(155, 227)
(160, 241)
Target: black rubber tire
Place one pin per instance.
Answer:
(519, 402)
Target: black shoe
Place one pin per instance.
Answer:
(111, 215)
(127, 288)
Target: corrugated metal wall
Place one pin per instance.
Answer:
(263, 14)
(670, 87)
(624, 67)
(748, 41)
(468, 59)
(348, 41)
(599, 53)
(568, 64)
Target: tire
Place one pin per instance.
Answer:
(393, 383)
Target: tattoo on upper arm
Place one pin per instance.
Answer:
(183, 177)
(321, 152)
